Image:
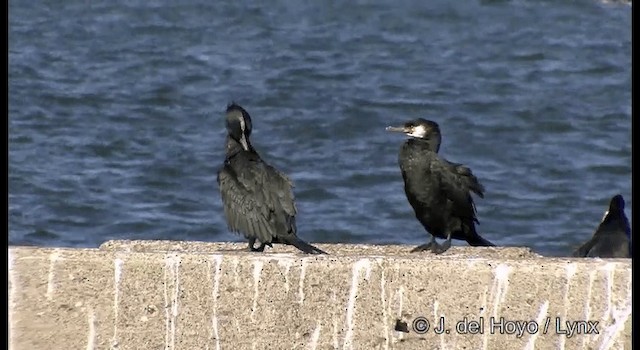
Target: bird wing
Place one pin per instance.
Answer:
(611, 238)
(258, 201)
(584, 249)
(457, 181)
(614, 223)
(616, 246)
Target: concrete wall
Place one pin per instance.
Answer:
(188, 295)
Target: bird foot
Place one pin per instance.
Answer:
(423, 247)
(434, 247)
(439, 249)
(251, 248)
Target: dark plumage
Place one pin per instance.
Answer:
(438, 190)
(612, 238)
(258, 200)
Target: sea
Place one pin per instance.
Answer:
(116, 114)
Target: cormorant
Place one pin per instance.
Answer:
(258, 199)
(612, 238)
(438, 190)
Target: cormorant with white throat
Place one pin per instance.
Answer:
(438, 190)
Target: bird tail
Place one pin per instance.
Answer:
(477, 241)
(304, 246)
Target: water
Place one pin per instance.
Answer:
(116, 114)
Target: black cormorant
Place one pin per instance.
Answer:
(438, 190)
(258, 199)
(612, 238)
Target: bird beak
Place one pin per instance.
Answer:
(397, 129)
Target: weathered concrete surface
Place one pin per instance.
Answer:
(181, 295)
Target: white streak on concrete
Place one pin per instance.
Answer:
(91, 337)
(400, 294)
(334, 299)
(570, 270)
(498, 291)
(176, 294)
(53, 258)
(303, 269)
(362, 264)
(10, 260)
(436, 321)
(172, 263)
(397, 297)
(216, 287)
(166, 308)
(117, 276)
(286, 263)
(236, 276)
(385, 316)
(540, 321)
(619, 315)
(315, 336)
(257, 271)
(501, 284)
(12, 295)
(587, 308)
(117, 270)
(608, 269)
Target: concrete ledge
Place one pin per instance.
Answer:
(190, 295)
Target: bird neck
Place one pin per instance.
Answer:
(432, 144)
(233, 147)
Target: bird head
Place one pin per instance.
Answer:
(418, 128)
(421, 129)
(238, 122)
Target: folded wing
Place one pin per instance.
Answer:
(258, 201)
(457, 182)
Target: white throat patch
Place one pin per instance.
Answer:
(418, 131)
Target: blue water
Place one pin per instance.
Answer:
(116, 126)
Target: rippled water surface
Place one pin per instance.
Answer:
(116, 114)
